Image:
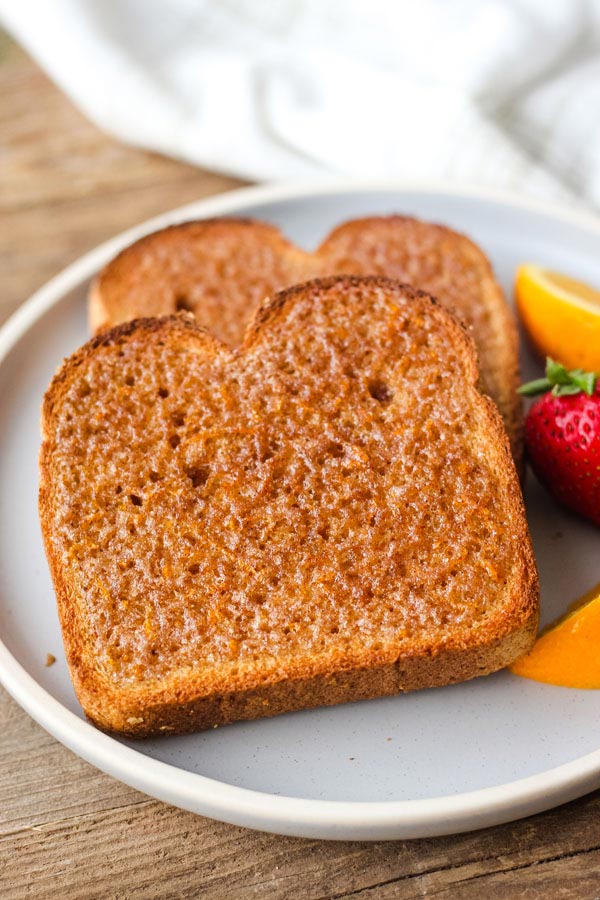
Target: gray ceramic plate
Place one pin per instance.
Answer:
(428, 763)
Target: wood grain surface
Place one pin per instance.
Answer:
(66, 830)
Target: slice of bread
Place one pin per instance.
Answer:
(328, 513)
(221, 269)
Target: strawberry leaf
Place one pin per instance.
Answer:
(556, 373)
(585, 380)
(565, 390)
(539, 386)
(563, 383)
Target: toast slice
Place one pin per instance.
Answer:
(221, 269)
(328, 513)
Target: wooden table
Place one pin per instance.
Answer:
(68, 831)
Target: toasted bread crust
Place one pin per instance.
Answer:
(221, 269)
(185, 699)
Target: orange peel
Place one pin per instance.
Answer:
(567, 653)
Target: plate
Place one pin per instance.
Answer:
(434, 762)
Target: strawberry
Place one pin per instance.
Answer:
(562, 436)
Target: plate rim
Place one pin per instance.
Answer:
(305, 817)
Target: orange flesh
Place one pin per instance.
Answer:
(578, 288)
(567, 654)
(561, 316)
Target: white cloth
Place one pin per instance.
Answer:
(500, 92)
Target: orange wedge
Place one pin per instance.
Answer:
(568, 652)
(561, 316)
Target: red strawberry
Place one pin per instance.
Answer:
(562, 436)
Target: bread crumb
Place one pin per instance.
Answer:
(50, 659)
(134, 720)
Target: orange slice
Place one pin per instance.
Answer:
(561, 316)
(568, 652)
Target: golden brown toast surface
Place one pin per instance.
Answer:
(329, 512)
(222, 269)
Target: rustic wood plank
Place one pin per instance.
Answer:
(68, 831)
(155, 851)
(39, 242)
(64, 186)
(565, 878)
(41, 781)
(50, 152)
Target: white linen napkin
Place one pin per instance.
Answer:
(498, 92)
